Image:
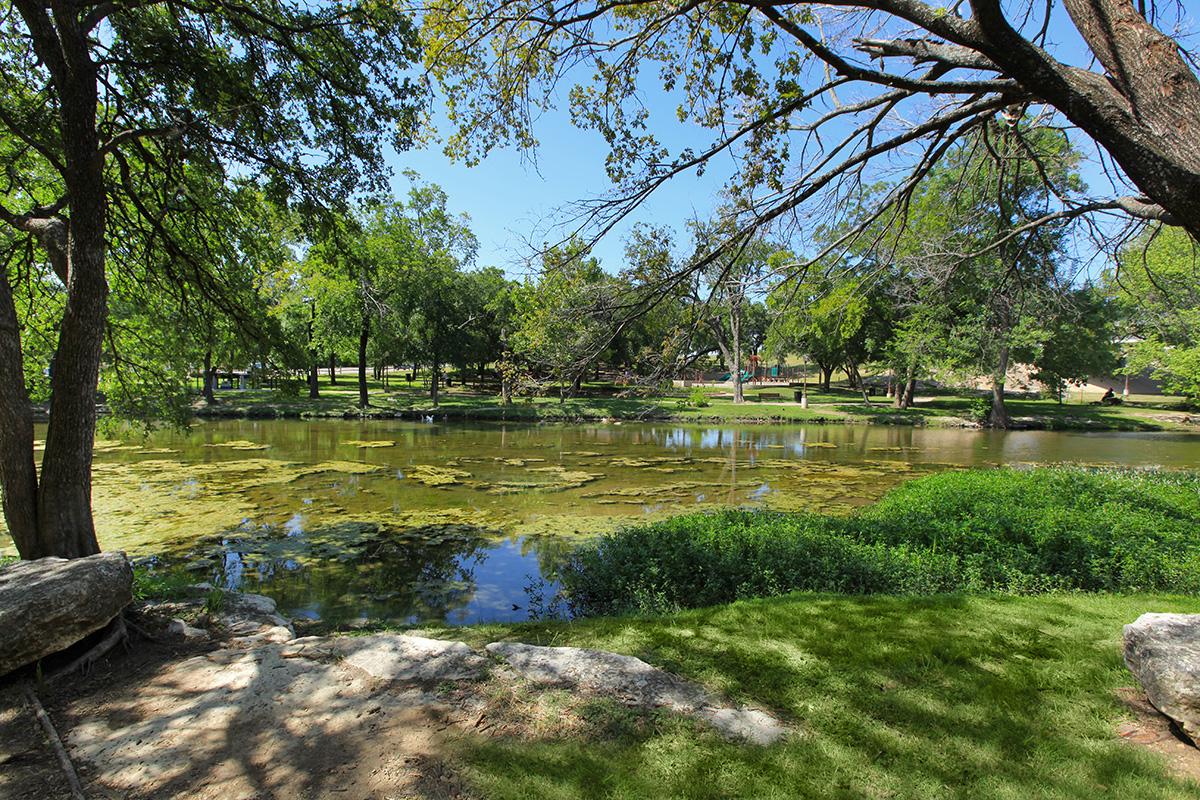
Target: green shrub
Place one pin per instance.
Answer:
(150, 584)
(703, 559)
(980, 409)
(696, 398)
(1096, 530)
(1018, 531)
(290, 387)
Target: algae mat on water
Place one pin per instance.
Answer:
(149, 503)
(157, 504)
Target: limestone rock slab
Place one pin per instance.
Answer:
(49, 604)
(636, 683)
(1163, 653)
(397, 657)
(252, 620)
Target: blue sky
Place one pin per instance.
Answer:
(509, 198)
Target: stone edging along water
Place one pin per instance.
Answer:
(881, 416)
(253, 623)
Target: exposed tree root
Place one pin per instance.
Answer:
(142, 632)
(117, 634)
(56, 744)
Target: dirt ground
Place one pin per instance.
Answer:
(1150, 729)
(213, 724)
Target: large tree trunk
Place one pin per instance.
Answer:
(826, 377)
(1145, 110)
(907, 388)
(209, 379)
(364, 335)
(18, 474)
(999, 416)
(65, 526)
(332, 369)
(65, 491)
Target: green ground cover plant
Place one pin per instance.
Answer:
(1000, 530)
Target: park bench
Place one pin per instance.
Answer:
(764, 396)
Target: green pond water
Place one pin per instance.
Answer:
(408, 522)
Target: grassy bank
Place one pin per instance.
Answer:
(839, 405)
(946, 697)
(1004, 530)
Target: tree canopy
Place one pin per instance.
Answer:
(123, 128)
(1156, 282)
(807, 102)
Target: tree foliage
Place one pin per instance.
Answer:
(1157, 283)
(807, 103)
(125, 130)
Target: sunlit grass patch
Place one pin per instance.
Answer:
(943, 697)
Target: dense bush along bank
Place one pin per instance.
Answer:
(1000, 530)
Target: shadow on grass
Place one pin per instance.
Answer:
(458, 403)
(1026, 414)
(932, 697)
(882, 414)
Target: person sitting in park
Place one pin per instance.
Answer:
(1109, 398)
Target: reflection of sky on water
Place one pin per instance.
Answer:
(488, 585)
(295, 525)
(679, 439)
(232, 570)
(500, 581)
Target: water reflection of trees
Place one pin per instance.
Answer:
(345, 572)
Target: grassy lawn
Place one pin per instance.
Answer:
(1157, 413)
(942, 697)
(459, 401)
(836, 405)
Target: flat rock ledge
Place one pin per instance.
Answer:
(1163, 653)
(392, 657)
(638, 684)
(262, 718)
(274, 719)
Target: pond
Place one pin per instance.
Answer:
(345, 522)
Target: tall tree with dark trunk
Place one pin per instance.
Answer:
(364, 338)
(109, 104)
